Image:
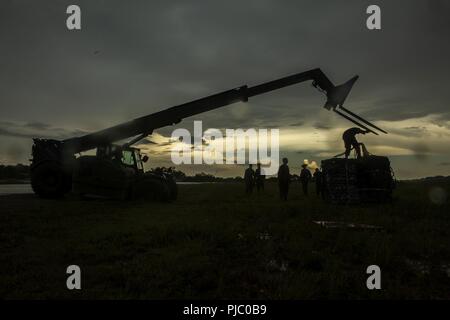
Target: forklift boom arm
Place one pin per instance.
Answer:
(145, 125)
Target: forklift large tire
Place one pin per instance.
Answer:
(153, 188)
(48, 180)
(162, 193)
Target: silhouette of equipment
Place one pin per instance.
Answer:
(55, 169)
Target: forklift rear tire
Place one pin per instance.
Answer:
(47, 180)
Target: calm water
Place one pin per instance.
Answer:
(15, 188)
(26, 188)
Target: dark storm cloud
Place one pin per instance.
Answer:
(36, 130)
(37, 125)
(136, 57)
(297, 124)
(133, 58)
(6, 132)
(321, 126)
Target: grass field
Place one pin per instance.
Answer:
(215, 242)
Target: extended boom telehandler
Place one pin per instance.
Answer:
(117, 171)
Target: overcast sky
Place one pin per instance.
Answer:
(132, 58)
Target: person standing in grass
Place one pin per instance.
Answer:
(249, 179)
(284, 178)
(318, 179)
(305, 176)
(259, 177)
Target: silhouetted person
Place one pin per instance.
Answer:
(249, 179)
(350, 141)
(259, 177)
(319, 182)
(305, 176)
(284, 178)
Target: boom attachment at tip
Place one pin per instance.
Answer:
(336, 97)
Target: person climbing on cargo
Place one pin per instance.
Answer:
(305, 176)
(350, 141)
(284, 178)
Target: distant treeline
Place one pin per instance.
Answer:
(22, 172)
(430, 179)
(205, 177)
(16, 172)
(199, 177)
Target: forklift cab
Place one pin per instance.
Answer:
(127, 157)
(112, 172)
(131, 158)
